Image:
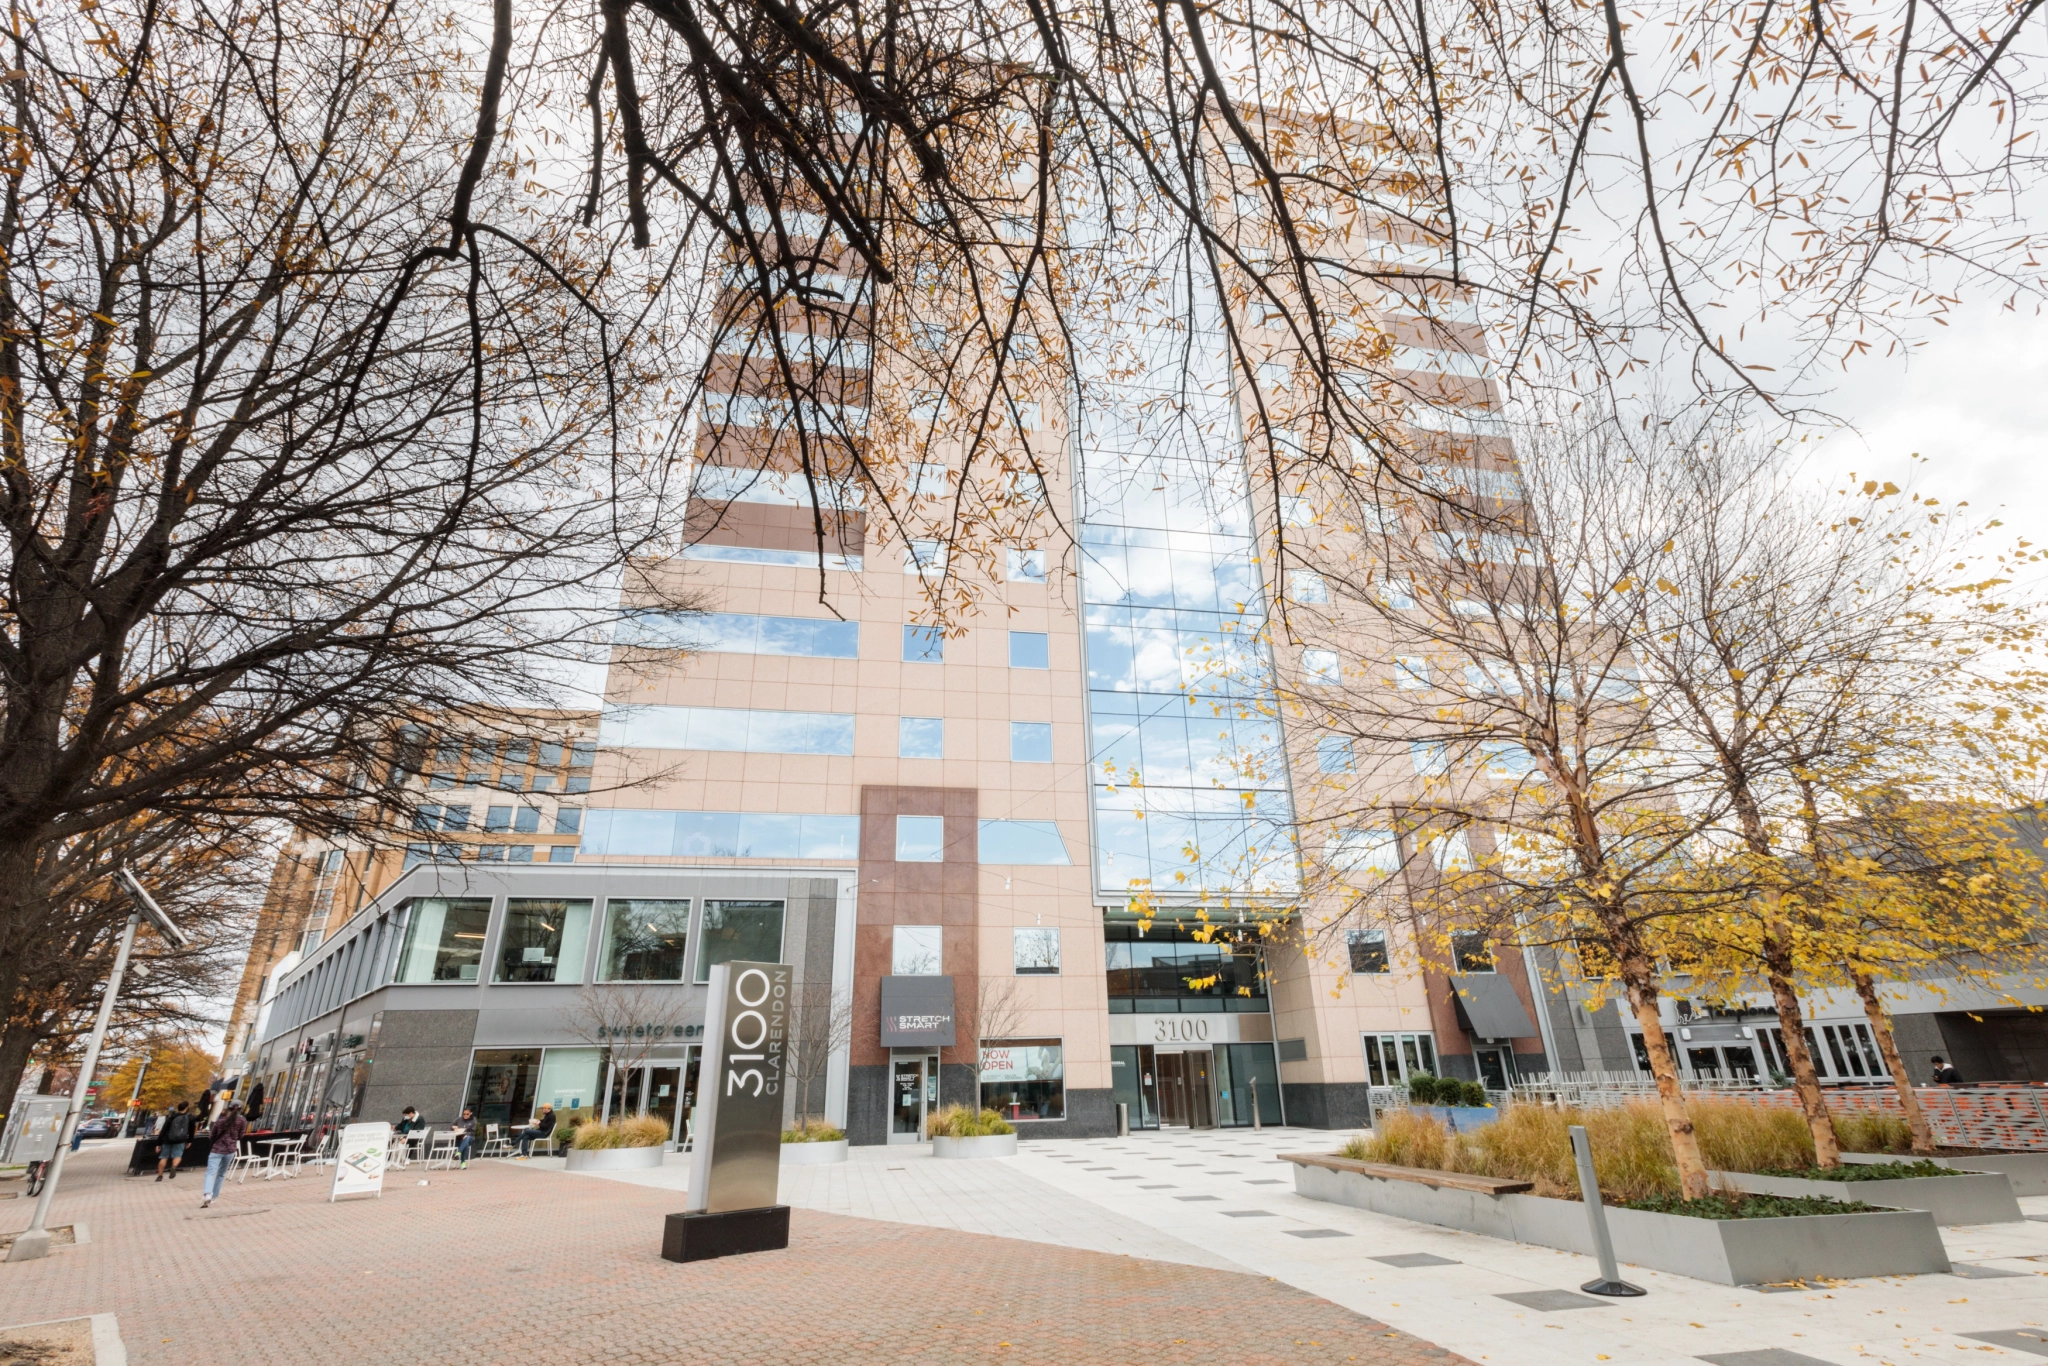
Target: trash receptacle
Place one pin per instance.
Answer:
(1123, 1119)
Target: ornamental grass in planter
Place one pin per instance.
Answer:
(813, 1131)
(1631, 1146)
(634, 1131)
(964, 1121)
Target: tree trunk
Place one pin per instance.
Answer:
(1805, 1080)
(15, 1047)
(1916, 1118)
(1685, 1144)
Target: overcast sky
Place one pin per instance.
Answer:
(1973, 400)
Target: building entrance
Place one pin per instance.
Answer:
(913, 1095)
(1187, 1095)
(663, 1087)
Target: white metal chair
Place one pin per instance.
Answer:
(246, 1161)
(441, 1149)
(495, 1143)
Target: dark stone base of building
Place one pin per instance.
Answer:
(1327, 1105)
(728, 1233)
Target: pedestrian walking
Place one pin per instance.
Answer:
(173, 1132)
(226, 1135)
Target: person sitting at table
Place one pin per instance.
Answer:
(543, 1126)
(465, 1134)
(408, 1124)
(172, 1134)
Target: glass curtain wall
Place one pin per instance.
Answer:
(1189, 782)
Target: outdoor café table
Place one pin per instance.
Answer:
(273, 1144)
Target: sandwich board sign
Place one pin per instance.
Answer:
(359, 1161)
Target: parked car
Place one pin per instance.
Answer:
(101, 1126)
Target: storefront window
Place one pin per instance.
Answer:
(543, 940)
(502, 1085)
(1390, 1059)
(738, 931)
(445, 940)
(568, 1078)
(644, 941)
(1024, 1079)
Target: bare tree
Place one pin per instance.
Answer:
(820, 1025)
(286, 461)
(628, 1021)
(997, 1012)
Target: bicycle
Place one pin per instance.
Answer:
(35, 1177)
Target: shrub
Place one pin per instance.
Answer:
(1422, 1089)
(1474, 1092)
(1750, 1206)
(634, 1131)
(962, 1121)
(1873, 1132)
(813, 1131)
(1869, 1171)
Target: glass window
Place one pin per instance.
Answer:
(1029, 650)
(915, 951)
(455, 818)
(1305, 585)
(502, 1085)
(738, 931)
(1024, 1079)
(1368, 950)
(729, 729)
(644, 941)
(1035, 951)
(1319, 668)
(1451, 853)
(562, 853)
(527, 821)
(1333, 754)
(497, 818)
(550, 754)
(426, 818)
(1470, 952)
(920, 839)
(1026, 565)
(569, 820)
(444, 942)
(741, 633)
(923, 645)
(920, 737)
(1431, 758)
(1036, 842)
(1374, 851)
(1390, 1059)
(1030, 742)
(1398, 594)
(584, 755)
(519, 853)
(543, 940)
(1411, 673)
(568, 1078)
(927, 558)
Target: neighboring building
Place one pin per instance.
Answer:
(513, 794)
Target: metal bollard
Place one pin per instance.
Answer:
(1123, 1119)
(1610, 1282)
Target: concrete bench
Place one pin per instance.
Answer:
(1421, 1176)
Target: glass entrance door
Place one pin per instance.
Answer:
(1496, 1067)
(907, 1100)
(1186, 1096)
(662, 1095)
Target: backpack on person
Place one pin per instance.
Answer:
(178, 1128)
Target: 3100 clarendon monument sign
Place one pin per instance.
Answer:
(736, 1144)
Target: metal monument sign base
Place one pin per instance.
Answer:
(725, 1233)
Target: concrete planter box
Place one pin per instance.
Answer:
(1980, 1198)
(987, 1145)
(2028, 1172)
(813, 1154)
(614, 1159)
(1727, 1251)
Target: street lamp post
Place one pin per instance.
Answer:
(135, 1097)
(35, 1242)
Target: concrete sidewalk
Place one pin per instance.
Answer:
(1223, 1199)
(505, 1264)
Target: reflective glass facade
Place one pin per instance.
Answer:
(1189, 783)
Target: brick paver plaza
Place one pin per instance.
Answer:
(504, 1264)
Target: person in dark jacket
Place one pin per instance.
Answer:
(1944, 1075)
(225, 1140)
(543, 1126)
(172, 1134)
(465, 1135)
(255, 1110)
